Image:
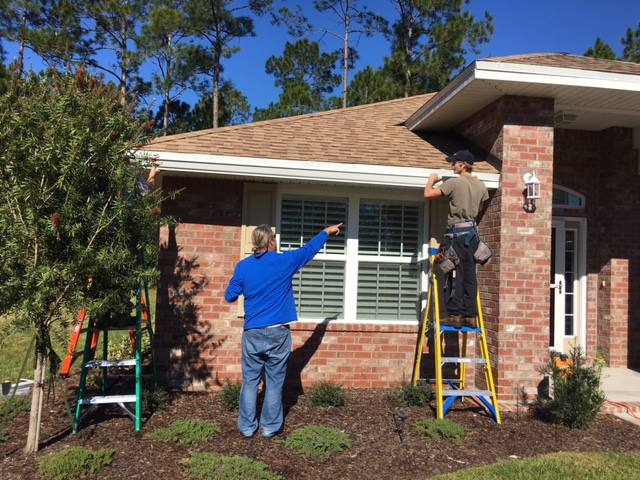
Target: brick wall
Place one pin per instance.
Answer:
(603, 166)
(198, 338)
(517, 134)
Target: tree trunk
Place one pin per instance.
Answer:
(167, 92)
(345, 59)
(20, 59)
(37, 398)
(407, 56)
(123, 65)
(216, 93)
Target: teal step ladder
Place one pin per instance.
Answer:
(136, 325)
(448, 390)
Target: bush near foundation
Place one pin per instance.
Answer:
(230, 396)
(327, 394)
(576, 397)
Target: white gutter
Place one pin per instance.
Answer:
(307, 171)
(523, 73)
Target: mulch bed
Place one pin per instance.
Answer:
(377, 450)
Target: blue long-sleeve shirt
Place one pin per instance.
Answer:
(265, 280)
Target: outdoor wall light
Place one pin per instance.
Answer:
(532, 191)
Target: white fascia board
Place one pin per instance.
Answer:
(571, 77)
(305, 171)
(442, 97)
(524, 73)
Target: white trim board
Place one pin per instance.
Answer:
(304, 171)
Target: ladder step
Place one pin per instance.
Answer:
(466, 393)
(475, 361)
(449, 328)
(445, 380)
(127, 362)
(108, 399)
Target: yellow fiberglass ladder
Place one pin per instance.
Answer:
(447, 391)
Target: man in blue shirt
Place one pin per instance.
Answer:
(265, 280)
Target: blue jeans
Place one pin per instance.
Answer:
(263, 349)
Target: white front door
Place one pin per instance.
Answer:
(568, 284)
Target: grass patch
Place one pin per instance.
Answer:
(72, 463)
(212, 466)
(186, 433)
(410, 395)
(327, 394)
(4, 435)
(15, 407)
(317, 441)
(441, 429)
(564, 465)
(230, 396)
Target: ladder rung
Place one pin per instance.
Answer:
(475, 361)
(128, 375)
(121, 326)
(108, 399)
(127, 362)
(466, 393)
(449, 328)
(446, 380)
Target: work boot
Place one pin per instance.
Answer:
(453, 321)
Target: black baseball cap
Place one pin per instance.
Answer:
(462, 156)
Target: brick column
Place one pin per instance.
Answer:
(517, 132)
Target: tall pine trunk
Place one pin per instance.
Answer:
(216, 92)
(123, 65)
(37, 398)
(345, 59)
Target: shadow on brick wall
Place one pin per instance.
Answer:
(299, 359)
(179, 336)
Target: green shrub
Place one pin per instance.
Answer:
(317, 441)
(72, 463)
(186, 433)
(409, 395)
(327, 394)
(15, 407)
(444, 428)
(212, 466)
(4, 435)
(230, 396)
(154, 400)
(577, 396)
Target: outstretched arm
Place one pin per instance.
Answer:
(234, 289)
(303, 255)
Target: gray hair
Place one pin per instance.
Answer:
(261, 237)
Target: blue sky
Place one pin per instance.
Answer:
(520, 27)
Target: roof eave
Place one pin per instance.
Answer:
(523, 73)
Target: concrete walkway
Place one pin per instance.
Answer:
(622, 389)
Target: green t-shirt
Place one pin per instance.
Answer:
(465, 194)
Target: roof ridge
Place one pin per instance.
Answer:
(293, 118)
(564, 54)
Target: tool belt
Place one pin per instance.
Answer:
(449, 258)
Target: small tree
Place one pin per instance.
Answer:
(76, 228)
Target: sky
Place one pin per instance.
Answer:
(569, 26)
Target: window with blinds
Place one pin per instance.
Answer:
(319, 287)
(388, 287)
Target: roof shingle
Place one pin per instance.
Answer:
(565, 60)
(368, 134)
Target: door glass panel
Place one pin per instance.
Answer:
(552, 295)
(569, 281)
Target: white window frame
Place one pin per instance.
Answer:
(353, 196)
(570, 192)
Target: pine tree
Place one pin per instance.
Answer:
(217, 23)
(353, 17)
(631, 45)
(600, 50)
(306, 76)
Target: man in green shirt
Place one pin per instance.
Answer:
(466, 195)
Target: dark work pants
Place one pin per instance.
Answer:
(463, 286)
